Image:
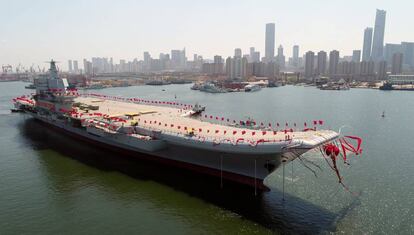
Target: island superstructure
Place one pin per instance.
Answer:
(168, 132)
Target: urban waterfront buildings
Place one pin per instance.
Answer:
(70, 69)
(397, 62)
(333, 62)
(374, 61)
(281, 57)
(356, 55)
(378, 40)
(309, 64)
(270, 42)
(321, 66)
(295, 55)
(366, 49)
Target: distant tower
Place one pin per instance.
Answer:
(397, 61)
(321, 67)
(237, 52)
(280, 57)
(75, 66)
(295, 55)
(356, 56)
(382, 70)
(333, 62)
(70, 66)
(366, 49)
(309, 64)
(378, 40)
(270, 42)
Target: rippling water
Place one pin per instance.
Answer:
(50, 183)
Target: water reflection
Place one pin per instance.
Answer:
(293, 215)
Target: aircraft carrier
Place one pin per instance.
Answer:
(168, 132)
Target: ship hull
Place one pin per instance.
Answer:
(243, 169)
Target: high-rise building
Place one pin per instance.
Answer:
(366, 49)
(251, 55)
(321, 66)
(70, 66)
(397, 62)
(75, 66)
(87, 67)
(147, 61)
(408, 51)
(270, 42)
(178, 59)
(382, 70)
(237, 52)
(309, 64)
(367, 68)
(378, 40)
(254, 56)
(390, 49)
(356, 55)
(333, 62)
(280, 57)
(295, 56)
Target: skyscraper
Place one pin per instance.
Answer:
(295, 55)
(378, 40)
(70, 66)
(408, 50)
(390, 49)
(333, 62)
(251, 55)
(321, 66)
(237, 52)
(270, 42)
(366, 49)
(382, 70)
(397, 61)
(280, 57)
(309, 64)
(75, 66)
(356, 55)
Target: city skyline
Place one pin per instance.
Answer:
(88, 39)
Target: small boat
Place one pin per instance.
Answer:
(252, 87)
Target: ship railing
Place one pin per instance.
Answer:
(212, 139)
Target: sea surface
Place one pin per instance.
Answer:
(53, 184)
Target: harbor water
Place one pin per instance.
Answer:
(53, 184)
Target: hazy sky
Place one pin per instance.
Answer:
(36, 31)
